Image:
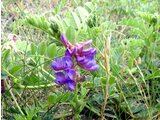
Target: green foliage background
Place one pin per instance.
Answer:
(134, 84)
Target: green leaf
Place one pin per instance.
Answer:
(7, 58)
(5, 55)
(82, 105)
(51, 50)
(70, 33)
(133, 43)
(112, 80)
(115, 69)
(84, 92)
(89, 6)
(52, 98)
(130, 62)
(22, 45)
(39, 22)
(19, 117)
(154, 75)
(83, 13)
(44, 23)
(103, 80)
(32, 79)
(15, 69)
(65, 96)
(33, 48)
(76, 19)
(42, 48)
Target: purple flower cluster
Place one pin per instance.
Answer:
(66, 72)
(64, 66)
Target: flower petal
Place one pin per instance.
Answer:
(88, 51)
(90, 64)
(93, 68)
(70, 73)
(83, 44)
(70, 52)
(70, 84)
(60, 78)
(64, 40)
(58, 64)
(68, 62)
(85, 56)
(80, 59)
(62, 63)
(84, 59)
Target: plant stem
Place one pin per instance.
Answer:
(31, 87)
(62, 115)
(36, 86)
(141, 90)
(106, 55)
(75, 108)
(125, 100)
(96, 112)
(10, 91)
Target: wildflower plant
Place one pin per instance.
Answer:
(65, 67)
(66, 71)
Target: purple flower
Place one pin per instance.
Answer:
(84, 57)
(62, 63)
(70, 48)
(64, 66)
(66, 73)
(81, 45)
(88, 64)
(2, 86)
(66, 78)
(69, 52)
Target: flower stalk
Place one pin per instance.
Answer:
(106, 57)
